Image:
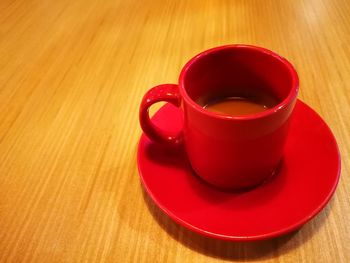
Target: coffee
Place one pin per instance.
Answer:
(237, 106)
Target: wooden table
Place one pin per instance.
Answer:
(72, 74)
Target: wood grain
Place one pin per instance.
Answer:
(72, 74)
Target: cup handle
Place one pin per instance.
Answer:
(165, 92)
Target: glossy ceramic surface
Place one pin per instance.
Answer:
(242, 151)
(306, 180)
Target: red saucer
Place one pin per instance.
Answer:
(307, 179)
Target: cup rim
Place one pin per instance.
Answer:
(282, 105)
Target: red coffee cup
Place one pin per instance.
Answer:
(232, 152)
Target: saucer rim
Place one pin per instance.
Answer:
(269, 235)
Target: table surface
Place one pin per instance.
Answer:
(72, 74)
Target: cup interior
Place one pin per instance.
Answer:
(238, 71)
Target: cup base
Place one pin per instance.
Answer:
(240, 188)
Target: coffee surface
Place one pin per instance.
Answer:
(237, 106)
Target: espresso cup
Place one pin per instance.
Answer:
(231, 152)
